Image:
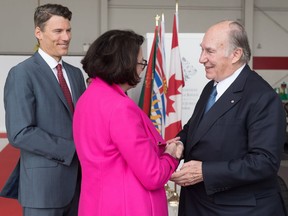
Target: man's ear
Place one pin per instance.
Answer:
(37, 32)
(237, 55)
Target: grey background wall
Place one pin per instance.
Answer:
(265, 22)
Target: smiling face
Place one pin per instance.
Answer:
(217, 57)
(54, 39)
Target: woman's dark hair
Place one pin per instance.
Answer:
(44, 12)
(113, 57)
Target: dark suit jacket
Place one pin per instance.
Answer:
(239, 140)
(39, 123)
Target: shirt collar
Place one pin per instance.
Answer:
(223, 85)
(49, 59)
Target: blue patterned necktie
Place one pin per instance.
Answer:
(211, 99)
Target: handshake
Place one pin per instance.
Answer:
(175, 148)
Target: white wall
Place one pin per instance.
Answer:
(6, 63)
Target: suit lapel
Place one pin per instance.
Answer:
(200, 107)
(226, 102)
(50, 77)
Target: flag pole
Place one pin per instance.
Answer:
(176, 12)
(157, 17)
(177, 26)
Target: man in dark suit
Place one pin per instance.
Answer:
(232, 152)
(39, 121)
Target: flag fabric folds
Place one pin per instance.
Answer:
(146, 92)
(152, 98)
(162, 101)
(175, 85)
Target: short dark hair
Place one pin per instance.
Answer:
(113, 57)
(44, 12)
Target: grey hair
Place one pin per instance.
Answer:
(239, 39)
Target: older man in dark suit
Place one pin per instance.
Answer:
(39, 120)
(233, 149)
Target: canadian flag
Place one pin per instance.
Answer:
(175, 85)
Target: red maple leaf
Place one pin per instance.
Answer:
(173, 89)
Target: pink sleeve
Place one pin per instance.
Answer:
(130, 134)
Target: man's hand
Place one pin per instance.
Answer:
(189, 174)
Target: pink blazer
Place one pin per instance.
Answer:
(123, 166)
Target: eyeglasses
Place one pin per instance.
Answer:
(143, 63)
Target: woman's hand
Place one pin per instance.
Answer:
(175, 148)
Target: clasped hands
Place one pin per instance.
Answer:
(175, 148)
(190, 173)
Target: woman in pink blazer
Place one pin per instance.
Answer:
(125, 162)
